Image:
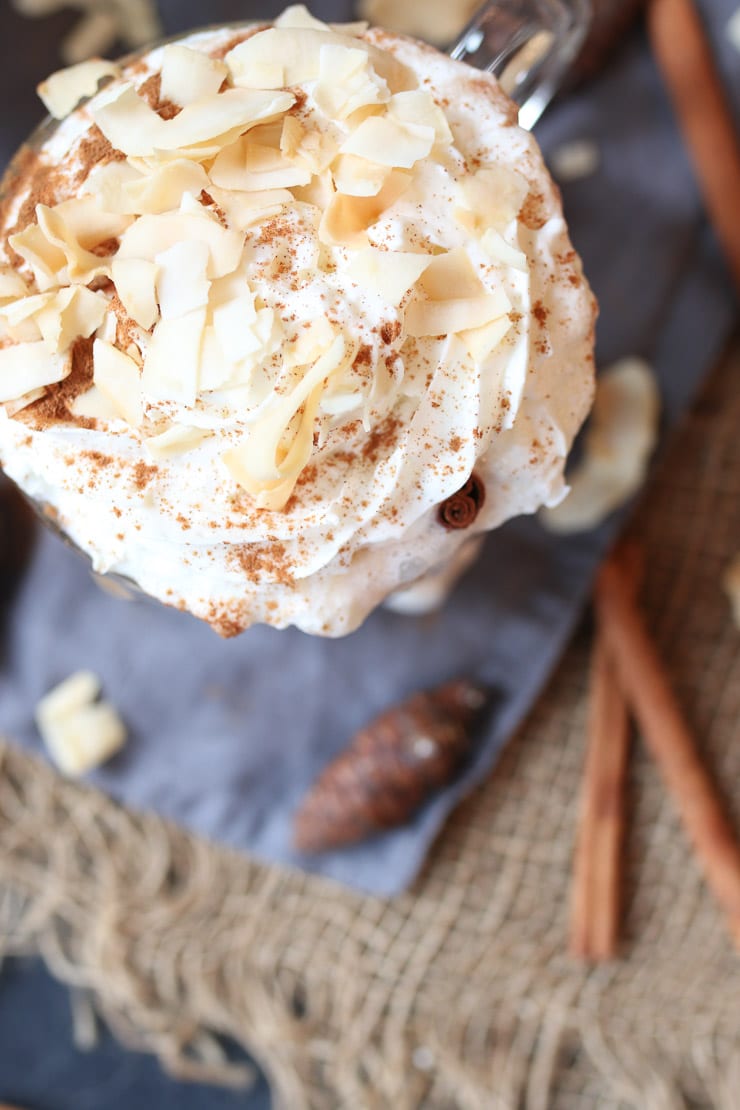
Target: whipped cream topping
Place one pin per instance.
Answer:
(270, 297)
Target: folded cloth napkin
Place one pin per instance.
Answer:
(225, 737)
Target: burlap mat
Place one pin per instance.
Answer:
(458, 994)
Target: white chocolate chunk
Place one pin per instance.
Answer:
(175, 440)
(63, 90)
(133, 127)
(383, 140)
(75, 692)
(619, 441)
(135, 281)
(117, 376)
(189, 75)
(173, 358)
(182, 284)
(79, 732)
(29, 366)
(387, 273)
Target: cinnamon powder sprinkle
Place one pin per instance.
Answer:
(264, 561)
(54, 407)
(143, 474)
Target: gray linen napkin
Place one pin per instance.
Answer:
(225, 737)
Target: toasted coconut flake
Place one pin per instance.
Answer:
(70, 314)
(12, 285)
(81, 264)
(482, 342)
(27, 367)
(346, 219)
(298, 52)
(117, 376)
(173, 357)
(133, 127)
(389, 143)
(244, 209)
(492, 198)
(619, 441)
(298, 15)
(175, 440)
(189, 75)
(499, 250)
(264, 465)
(417, 108)
(451, 298)
(347, 82)
(390, 274)
(163, 189)
(135, 280)
(356, 177)
(182, 284)
(63, 91)
(153, 235)
(247, 166)
(94, 403)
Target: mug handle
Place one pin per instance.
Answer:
(528, 45)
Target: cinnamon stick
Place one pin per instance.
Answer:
(596, 878)
(594, 928)
(685, 59)
(651, 699)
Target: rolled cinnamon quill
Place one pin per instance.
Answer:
(651, 700)
(685, 60)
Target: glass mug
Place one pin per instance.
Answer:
(528, 45)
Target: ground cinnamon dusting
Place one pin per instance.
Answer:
(380, 439)
(54, 407)
(151, 91)
(390, 332)
(260, 561)
(143, 474)
(540, 313)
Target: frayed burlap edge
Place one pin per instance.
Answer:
(459, 994)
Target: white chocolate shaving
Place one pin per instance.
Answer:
(79, 732)
(189, 75)
(135, 280)
(27, 367)
(619, 441)
(63, 90)
(117, 376)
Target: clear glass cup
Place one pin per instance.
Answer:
(528, 45)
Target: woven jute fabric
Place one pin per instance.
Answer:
(459, 994)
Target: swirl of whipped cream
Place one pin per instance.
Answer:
(268, 299)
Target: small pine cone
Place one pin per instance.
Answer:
(390, 768)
